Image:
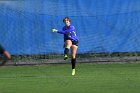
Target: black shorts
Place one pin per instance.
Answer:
(73, 42)
(1, 50)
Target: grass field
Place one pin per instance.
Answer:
(90, 78)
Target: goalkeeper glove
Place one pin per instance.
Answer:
(54, 30)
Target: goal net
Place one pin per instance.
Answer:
(108, 31)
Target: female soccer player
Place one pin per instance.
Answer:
(70, 41)
(5, 53)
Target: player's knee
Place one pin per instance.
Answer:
(67, 45)
(73, 56)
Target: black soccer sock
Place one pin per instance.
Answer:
(66, 51)
(73, 61)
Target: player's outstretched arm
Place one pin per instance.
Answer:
(66, 31)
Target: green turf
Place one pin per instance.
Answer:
(90, 78)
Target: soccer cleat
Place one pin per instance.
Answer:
(65, 57)
(73, 72)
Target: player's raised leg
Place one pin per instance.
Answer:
(68, 44)
(73, 57)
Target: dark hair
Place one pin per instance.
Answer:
(66, 18)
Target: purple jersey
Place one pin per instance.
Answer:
(69, 33)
